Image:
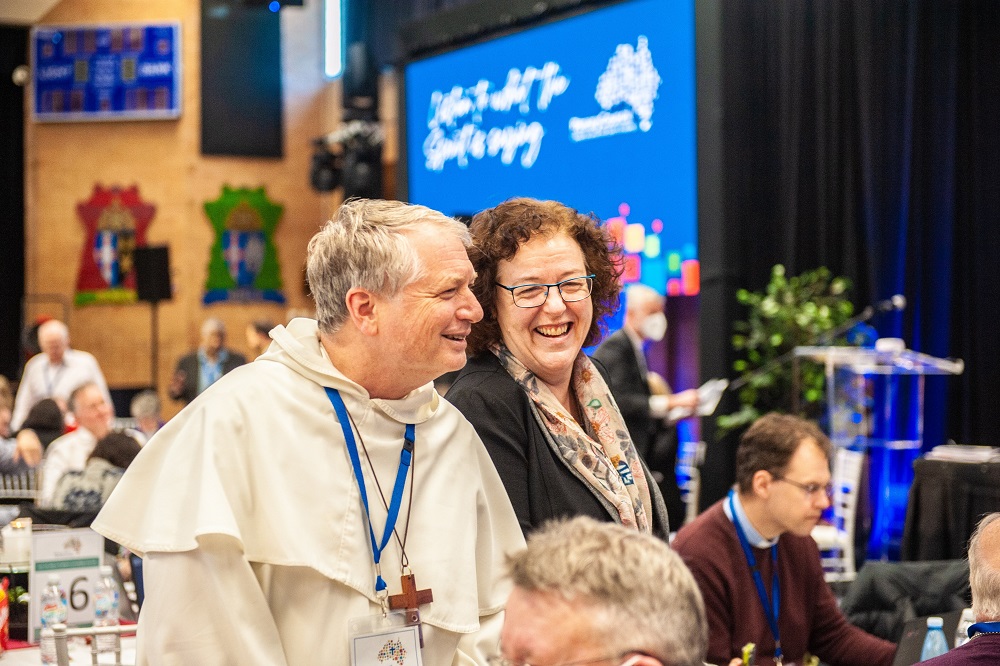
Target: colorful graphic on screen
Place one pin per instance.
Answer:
(596, 111)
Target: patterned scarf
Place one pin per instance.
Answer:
(610, 464)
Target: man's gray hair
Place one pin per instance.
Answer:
(54, 325)
(635, 590)
(213, 325)
(145, 404)
(71, 403)
(638, 294)
(365, 246)
(984, 568)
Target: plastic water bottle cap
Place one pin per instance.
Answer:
(54, 579)
(934, 622)
(105, 569)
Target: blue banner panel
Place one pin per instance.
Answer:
(596, 110)
(119, 72)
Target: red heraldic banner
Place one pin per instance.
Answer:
(116, 220)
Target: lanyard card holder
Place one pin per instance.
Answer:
(392, 639)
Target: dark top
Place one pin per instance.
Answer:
(539, 483)
(188, 364)
(808, 619)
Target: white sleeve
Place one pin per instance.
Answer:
(477, 648)
(206, 607)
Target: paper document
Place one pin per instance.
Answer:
(709, 395)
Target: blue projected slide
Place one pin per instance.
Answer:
(595, 110)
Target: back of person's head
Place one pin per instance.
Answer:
(262, 326)
(117, 448)
(46, 419)
(629, 584)
(771, 442)
(145, 405)
(984, 569)
(365, 246)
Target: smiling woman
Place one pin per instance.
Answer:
(546, 275)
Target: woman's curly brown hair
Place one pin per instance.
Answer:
(499, 232)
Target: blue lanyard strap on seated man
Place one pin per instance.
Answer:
(770, 609)
(984, 628)
(405, 457)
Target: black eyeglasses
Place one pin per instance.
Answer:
(811, 489)
(534, 295)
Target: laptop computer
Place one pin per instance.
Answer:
(912, 640)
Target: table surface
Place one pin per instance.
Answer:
(79, 654)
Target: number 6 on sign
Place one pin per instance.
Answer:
(74, 554)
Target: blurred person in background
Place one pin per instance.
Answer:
(200, 369)
(70, 452)
(145, 409)
(56, 372)
(6, 407)
(89, 488)
(759, 569)
(258, 338)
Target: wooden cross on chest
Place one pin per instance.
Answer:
(411, 597)
(410, 600)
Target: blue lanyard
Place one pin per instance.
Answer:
(770, 609)
(984, 628)
(405, 457)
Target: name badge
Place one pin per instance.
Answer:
(392, 639)
(625, 472)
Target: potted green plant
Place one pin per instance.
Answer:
(789, 312)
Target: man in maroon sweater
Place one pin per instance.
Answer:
(983, 649)
(760, 574)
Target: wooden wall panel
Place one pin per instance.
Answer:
(65, 161)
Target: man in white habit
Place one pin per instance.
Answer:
(262, 509)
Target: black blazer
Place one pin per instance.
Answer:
(188, 364)
(540, 485)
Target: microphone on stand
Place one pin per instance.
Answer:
(893, 304)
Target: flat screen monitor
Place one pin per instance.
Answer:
(596, 110)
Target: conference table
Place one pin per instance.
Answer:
(79, 654)
(946, 501)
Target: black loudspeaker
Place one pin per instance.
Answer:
(152, 273)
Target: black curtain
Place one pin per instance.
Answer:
(13, 52)
(863, 137)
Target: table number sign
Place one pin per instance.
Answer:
(74, 554)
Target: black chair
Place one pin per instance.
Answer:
(886, 595)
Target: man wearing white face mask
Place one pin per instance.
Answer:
(628, 377)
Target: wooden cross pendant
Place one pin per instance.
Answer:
(411, 597)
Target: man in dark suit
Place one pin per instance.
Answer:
(200, 369)
(645, 410)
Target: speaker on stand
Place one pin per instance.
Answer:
(152, 285)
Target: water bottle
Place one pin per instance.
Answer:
(106, 607)
(935, 644)
(962, 630)
(54, 611)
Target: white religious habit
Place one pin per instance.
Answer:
(257, 551)
(43, 379)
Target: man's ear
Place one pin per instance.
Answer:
(362, 310)
(761, 483)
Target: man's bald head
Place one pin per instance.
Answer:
(53, 339)
(984, 569)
